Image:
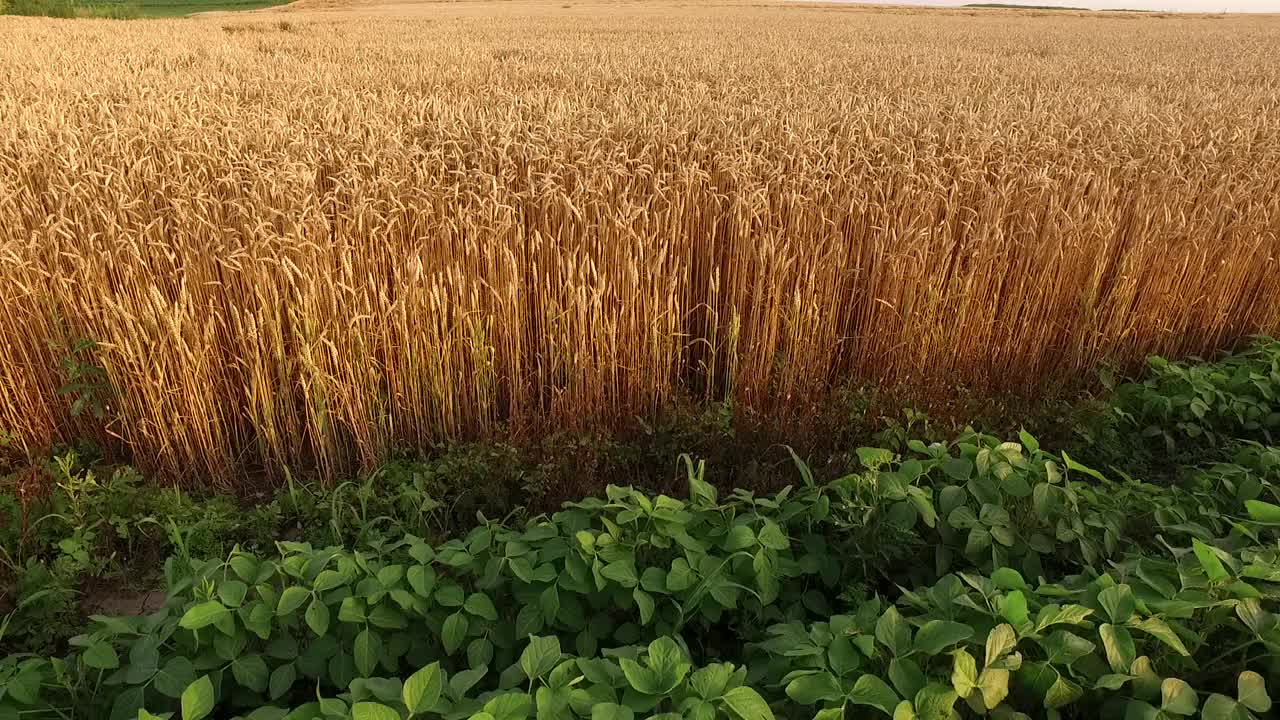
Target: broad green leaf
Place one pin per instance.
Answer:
(812, 689)
(746, 704)
(540, 656)
(422, 579)
(611, 711)
(511, 706)
(291, 599)
(390, 576)
(197, 699)
(1000, 642)
(1077, 467)
(317, 617)
(937, 635)
(1064, 648)
(328, 580)
(101, 656)
(654, 580)
(1252, 692)
(772, 536)
(964, 673)
(935, 702)
(549, 604)
(994, 684)
(873, 692)
(480, 605)
(479, 653)
(203, 615)
(622, 572)
(250, 671)
(1263, 512)
(453, 632)
(1118, 603)
(1008, 579)
(352, 610)
(710, 682)
(422, 690)
(1177, 697)
(373, 711)
(125, 707)
(1051, 615)
(1146, 683)
(281, 681)
(641, 679)
(740, 536)
(842, 658)
(450, 595)
(645, 604)
(174, 677)
(232, 593)
(681, 575)
(1029, 441)
(893, 632)
(668, 662)
(1209, 560)
(1112, 681)
(1221, 707)
(1119, 647)
(367, 651)
(1014, 608)
(1139, 710)
(959, 469)
(1160, 630)
(906, 676)
(1049, 684)
(873, 458)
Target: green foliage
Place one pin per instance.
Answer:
(646, 592)
(1185, 406)
(983, 576)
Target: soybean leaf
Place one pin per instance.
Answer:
(101, 656)
(611, 711)
(373, 711)
(197, 699)
(480, 605)
(540, 656)
(964, 673)
(1177, 697)
(1252, 691)
(1160, 630)
(367, 651)
(873, 692)
(1209, 560)
(203, 615)
(746, 704)
(1118, 602)
(422, 690)
(936, 635)
(893, 632)
(1119, 646)
(812, 689)
(453, 632)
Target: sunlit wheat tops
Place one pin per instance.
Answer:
(305, 246)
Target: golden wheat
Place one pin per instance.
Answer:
(302, 244)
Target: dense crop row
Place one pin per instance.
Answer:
(1161, 601)
(305, 247)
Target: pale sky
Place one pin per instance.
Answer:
(1256, 6)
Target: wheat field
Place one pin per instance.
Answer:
(303, 237)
